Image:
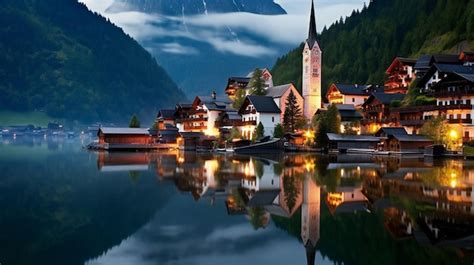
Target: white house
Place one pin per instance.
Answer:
(259, 109)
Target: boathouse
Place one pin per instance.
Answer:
(396, 139)
(125, 136)
(343, 143)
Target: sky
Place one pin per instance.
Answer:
(284, 29)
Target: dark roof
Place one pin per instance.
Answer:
(411, 138)
(407, 60)
(352, 89)
(239, 79)
(351, 138)
(217, 103)
(184, 105)
(446, 69)
(423, 62)
(445, 58)
(468, 77)
(166, 113)
(278, 91)
(262, 104)
(262, 198)
(352, 207)
(386, 98)
(191, 134)
(392, 131)
(312, 28)
(347, 112)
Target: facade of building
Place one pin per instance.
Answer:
(124, 136)
(259, 109)
(376, 111)
(280, 96)
(312, 63)
(350, 94)
(343, 143)
(400, 75)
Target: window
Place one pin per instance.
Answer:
(459, 102)
(451, 116)
(468, 102)
(466, 135)
(458, 116)
(468, 116)
(273, 119)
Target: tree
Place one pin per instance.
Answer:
(234, 134)
(279, 132)
(239, 98)
(259, 131)
(441, 132)
(257, 83)
(134, 122)
(326, 122)
(293, 117)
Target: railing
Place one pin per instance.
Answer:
(249, 112)
(457, 121)
(416, 109)
(412, 122)
(450, 94)
(198, 127)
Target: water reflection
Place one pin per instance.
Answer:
(425, 201)
(69, 206)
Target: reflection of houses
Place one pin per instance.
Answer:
(127, 161)
(347, 200)
(259, 109)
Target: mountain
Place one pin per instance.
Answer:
(204, 45)
(193, 7)
(57, 56)
(361, 47)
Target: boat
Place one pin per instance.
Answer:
(272, 146)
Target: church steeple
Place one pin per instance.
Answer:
(312, 28)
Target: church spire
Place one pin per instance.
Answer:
(312, 28)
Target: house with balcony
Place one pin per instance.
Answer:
(203, 114)
(400, 75)
(376, 111)
(440, 71)
(259, 109)
(455, 98)
(351, 94)
(236, 83)
(425, 62)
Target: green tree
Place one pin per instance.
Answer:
(259, 131)
(441, 132)
(239, 98)
(293, 117)
(326, 122)
(257, 83)
(258, 217)
(234, 134)
(279, 131)
(134, 122)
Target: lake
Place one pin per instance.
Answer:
(61, 204)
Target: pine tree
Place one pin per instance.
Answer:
(260, 131)
(239, 98)
(257, 83)
(134, 122)
(326, 122)
(293, 117)
(279, 132)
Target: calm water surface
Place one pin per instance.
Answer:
(60, 204)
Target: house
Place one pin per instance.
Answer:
(347, 200)
(425, 62)
(350, 116)
(204, 113)
(280, 96)
(350, 94)
(182, 113)
(236, 83)
(342, 143)
(164, 117)
(189, 141)
(168, 135)
(400, 75)
(124, 136)
(259, 109)
(396, 139)
(455, 98)
(440, 71)
(376, 111)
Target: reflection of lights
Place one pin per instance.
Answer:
(342, 172)
(180, 159)
(358, 168)
(212, 132)
(309, 134)
(249, 169)
(309, 165)
(453, 183)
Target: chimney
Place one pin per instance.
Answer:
(214, 95)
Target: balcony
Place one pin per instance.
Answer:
(451, 94)
(379, 121)
(412, 122)
(246, 123)
(188, 127)
(460, 121)
(419, 109)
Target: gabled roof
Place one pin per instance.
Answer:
(406, 61)
(423, 63)
(249, 75)
(278, 91)
(263, 198)
(411, 138)
(351, 138)
(211, 103)
(352, 89)
(166, 113)
(445, 58)
(123, 131)
(445, 69)
(454, 77)
(392, 131)
(262, 104)
(384, 98)
(347, 112)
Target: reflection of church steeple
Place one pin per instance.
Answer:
(310, 218)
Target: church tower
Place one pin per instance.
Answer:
(312, 62)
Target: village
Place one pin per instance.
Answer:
(425, 106)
